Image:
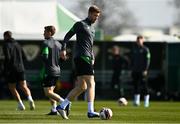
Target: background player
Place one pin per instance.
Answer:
(14, 70)
(140, 65)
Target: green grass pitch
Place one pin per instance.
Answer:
(158, 112)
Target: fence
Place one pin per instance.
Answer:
(164, 77)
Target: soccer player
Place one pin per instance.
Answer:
(14, 70)
(50, 53)
(84, 62)
(118, 63)
(140, 65)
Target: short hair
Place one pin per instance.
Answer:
(7, 34)
(94, 8)
(51, 29)
(139, 37)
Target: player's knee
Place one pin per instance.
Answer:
(81, 88)
(23, 87)
(48, 93)
(91, 84)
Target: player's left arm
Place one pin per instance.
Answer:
(147, 60)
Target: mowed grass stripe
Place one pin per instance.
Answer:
(158, 112)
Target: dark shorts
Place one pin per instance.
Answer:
(140, 83)
(82, 67)
(14, 77)
(49, 81)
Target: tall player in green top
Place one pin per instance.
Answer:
(84, 62)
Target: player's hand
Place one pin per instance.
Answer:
(145, 73)
(63, 55)
(93, 62)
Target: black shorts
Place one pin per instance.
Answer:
(82, 67)
(49, 81)
(14, 77)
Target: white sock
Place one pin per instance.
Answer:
(20, 103)
(53, 109)
(137, 98)
(146, 99)
(65, 103)
(30, 98)
(90, 107)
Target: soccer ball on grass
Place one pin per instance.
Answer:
(105, 113)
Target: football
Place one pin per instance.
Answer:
(122, 101)
(105, 113)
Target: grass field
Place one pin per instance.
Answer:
(158, 112)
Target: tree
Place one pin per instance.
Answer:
(115, 15)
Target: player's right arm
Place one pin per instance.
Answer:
(6, 53)
(44, 52)
(7, 61)
(67, 37)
